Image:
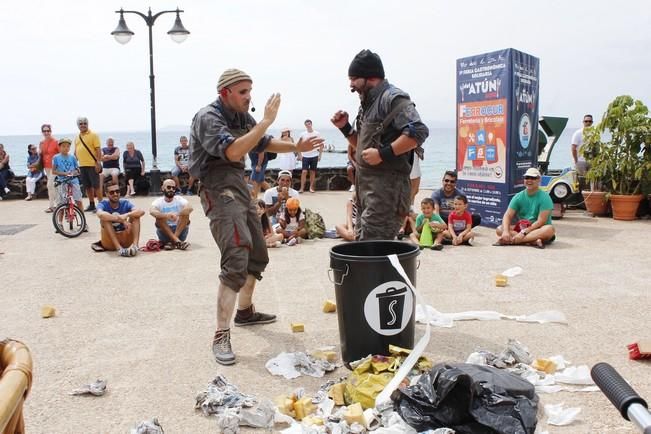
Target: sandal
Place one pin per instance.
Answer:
(182, 245)
(49, 210)
(97, 247)
(539, 244)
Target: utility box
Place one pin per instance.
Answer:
(497, 128)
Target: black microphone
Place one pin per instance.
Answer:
(252, 108)
(352, 90)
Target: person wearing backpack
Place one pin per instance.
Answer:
(388, 134)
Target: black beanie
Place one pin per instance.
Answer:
(366, 64)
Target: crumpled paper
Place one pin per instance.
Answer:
(293, 365)
(221, 395)
(512, 272)
(575, 375)
(440, 319)
(148, 427)
(559, 416)
(97, 388)
(514, 353)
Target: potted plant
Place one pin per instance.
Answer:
(595, 199)
(622, 162)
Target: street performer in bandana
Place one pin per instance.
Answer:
(388, 135)
(222, 134)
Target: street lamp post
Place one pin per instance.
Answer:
(178, 33)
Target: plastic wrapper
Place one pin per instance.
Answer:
(559, 416)
(293, 365)
(469, 399)
(148, 427)
(261, 416)
(221, 395)
(97, 388)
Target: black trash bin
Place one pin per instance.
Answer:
(375, 307)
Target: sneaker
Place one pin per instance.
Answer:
(123, 252)
(133, 250)
(249, 316)
(85, 228)
(352, 188)
(292, 242)
(168, 246)
(221, 347)
(90, 207)
(437, 247)
(470, 241)
(7, 190)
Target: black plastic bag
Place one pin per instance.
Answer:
(469, 399)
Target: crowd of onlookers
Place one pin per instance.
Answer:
(443, 218)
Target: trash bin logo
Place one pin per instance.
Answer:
(388, 308)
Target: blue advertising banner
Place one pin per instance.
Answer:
(497, 109)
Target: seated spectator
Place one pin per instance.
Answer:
(276, 198)
(110, 157)
(460, 223)
(436, 224)
(292, 223)
(444, 197)
(259, 162)
(120, 221)
(347, 230)
(34, 171)
(182, 165)
(272, 239)
(134, 167)
(5, 171)
(172, 214)
(528, 220)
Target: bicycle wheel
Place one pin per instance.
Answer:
(68, 223)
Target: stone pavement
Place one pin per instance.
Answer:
(145, 324)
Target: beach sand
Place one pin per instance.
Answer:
(145, 324)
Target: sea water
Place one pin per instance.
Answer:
(440, 149)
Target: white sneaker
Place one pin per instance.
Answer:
(7, 190)
(292, 242)
(352, 188)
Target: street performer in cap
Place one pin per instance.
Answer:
(388, 133)
(222, 134)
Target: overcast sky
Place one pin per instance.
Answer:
(60, 61)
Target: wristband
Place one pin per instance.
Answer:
(386, 153)
(347, 130)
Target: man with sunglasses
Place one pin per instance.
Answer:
(577, 143)
(120, 221)
(172, 214)
(444, 197)
(528, 220)
(222, 134)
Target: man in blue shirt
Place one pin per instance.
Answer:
(120, 221)
(528, 220)
(444, 198)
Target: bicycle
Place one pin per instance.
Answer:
(631, 406)
(68, 219)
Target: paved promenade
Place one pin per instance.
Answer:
(145, 324)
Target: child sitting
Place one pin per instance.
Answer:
(292, 222)
(271, 238)
(434, 221)
(347, 230)
(460, 223)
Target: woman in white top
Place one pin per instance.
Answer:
(286, 161)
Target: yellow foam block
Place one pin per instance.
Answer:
(501, 280)
(298, 327)
(328, 356)
(303, 407)
(48, 311)
(355, 413)
(336, 392)
(545, 365)
(312, 420)
(329, 306)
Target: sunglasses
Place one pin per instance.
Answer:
(46, 131)
(83, 123)
(587, 121)
(450, 181)
(113, 192)
(530, 177)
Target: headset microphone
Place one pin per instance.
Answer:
(352, 90)
(252, 107)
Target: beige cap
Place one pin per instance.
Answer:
(532, 171)
(232, 76)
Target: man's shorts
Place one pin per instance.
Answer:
(89, 177)
(106, 172)
(163, 238)
(255, 175)
(309, 163)
(176, 171)
(62, 191)
(125, 238)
